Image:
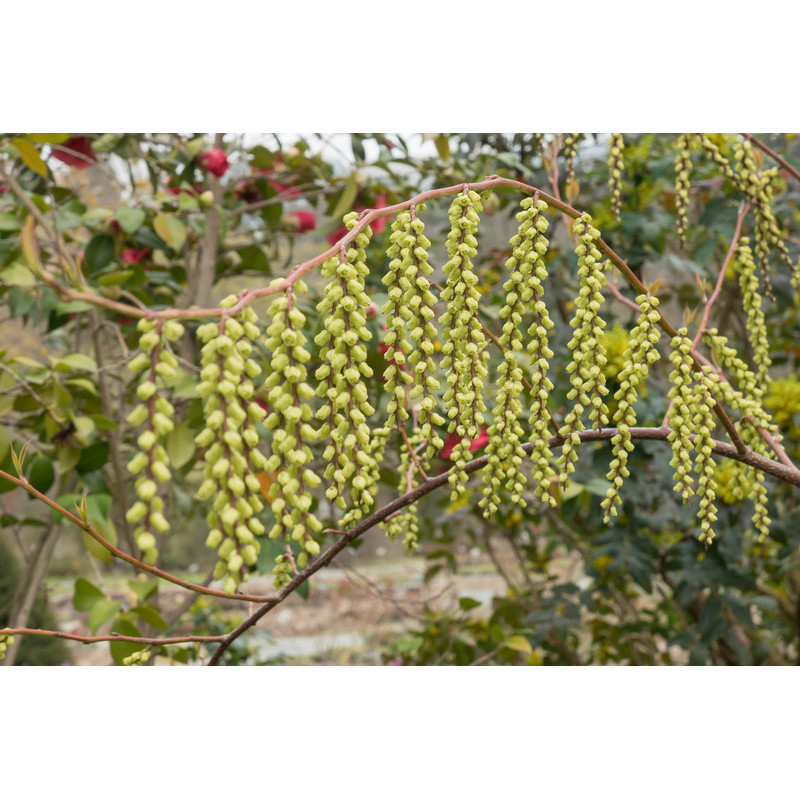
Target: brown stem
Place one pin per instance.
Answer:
(780, 471)
(124, 556)
(772, 154)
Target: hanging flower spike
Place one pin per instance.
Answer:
(290, 422)
(588, 354)
(641, 353)
(156, 413)
(406, 521)
(464, 347)
(571, 187)
(616, 165)
(680, 414)
(420, 302)
(539, 354)
(683, 168)
(230, 441)
(346, 408)
(745, 481)
(704, 466)
(752, 187)
(716, 156)
(396, 347)
(523, 288)
(751, 300)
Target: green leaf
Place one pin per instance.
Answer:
(9, 222)
(347, 197)
(70, 215)
(42, 473)
(130, 219)
(468, 603)
(99, 252)
(171, 230)
(86, 595)
(48, 138)
(151, 616)
(76, 361)
(180, 445)
(442, 146)
(121, 650)
(598, 487)
(84, 427)
(518, 643)
(30, 156)
(92, 457)
(143, 589)
(18, 275)
(106, 528)
(115, 278)
(254, 259)
(5, 443)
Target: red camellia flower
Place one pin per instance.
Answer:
(78, 146)
(135, 256)
(301, 221)
(214, 161)
(476, 444)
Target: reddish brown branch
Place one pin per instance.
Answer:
(780, 471)
(85, 526)
(773, 155)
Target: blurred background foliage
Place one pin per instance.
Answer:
(161, 220)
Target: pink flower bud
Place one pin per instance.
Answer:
(214, 161)
(301, 221)
(70, 152)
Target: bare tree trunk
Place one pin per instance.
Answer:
(28, 586)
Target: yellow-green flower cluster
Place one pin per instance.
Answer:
(783, 399)
(230, 440)
(464, 347)
(421, 302)
(767, 230)
(396, 376)
(715, 154)
(137, 659)
(691, 414)
(680, 414)
(410, 314)
(616, 145)
(523, 289)
(5, 641)
(704, 466)
(642, 352)
(290, 422)
(683, 167)
(539, 354)
(588, 356)
(570, 152)
(746, 481)
(155, 413)
(751, 182)
(406, 521)
(346, 407)
(751, 300)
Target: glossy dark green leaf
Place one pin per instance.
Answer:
(121, 650)
(42, 473)
(93, 457)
